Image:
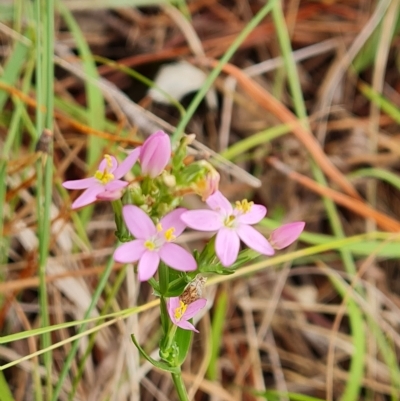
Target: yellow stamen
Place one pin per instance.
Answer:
(244, 206)
(108, 160)
(169, 234)
(159, 227)
(149, 245)
(103, 176)
(180, 310)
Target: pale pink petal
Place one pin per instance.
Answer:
(254, 215)
(87, 197)
(109, 195)
(130, 252)
(172, 304)
(286, 234)
(227, 246)
(218, 202)
(202, 220)
(138, 222)
(184, 324)
(80, 184)
(115, 185)
(155, 154)
(178, 258)
(127, 164)
(194, 308)
(148, 265)
(173, 219)
(104, 165)
(254, 240)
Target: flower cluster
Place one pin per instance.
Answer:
(151, 214)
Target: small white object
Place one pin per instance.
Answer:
(179, 79)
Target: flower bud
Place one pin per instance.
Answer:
(208, 184)
(286, 234)
(155, 154)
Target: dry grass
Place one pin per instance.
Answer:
(285, 328)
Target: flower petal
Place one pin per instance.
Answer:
(173, 219)
(127, 164)
(109, 162)
(155, 154)
(194, 308)
(115, 185)
(178, 258)
(148, 265)
(184, 324)
(80, 184)
(227, 246)
(88, 196)
(138, 222)
(172, 304)
(109, 195)
(202, 219)
(286, 234)
(218, 202)
(254, 240)
(130, 252)
(254, 215)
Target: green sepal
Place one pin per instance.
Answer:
(157, 364)
(218, 269)
(244, 257)
(179, 155)
(155, 285)
(176, 287)
(122, 232)
(207, 256)
(190, 174)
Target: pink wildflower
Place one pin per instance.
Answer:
(286, 234)
(180, 313)
(153, 243)
(232, 224)
(106, 183)
(155, 154)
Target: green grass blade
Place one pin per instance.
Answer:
(95, 297)
(217, 70)
(353, 385)
(217, 327)
(13, 68)
(5, 392)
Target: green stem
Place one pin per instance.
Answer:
(180, 386)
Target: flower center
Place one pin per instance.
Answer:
(228, 222)
(104, 176)
(180, 310)
(169, 234)
(150, 245)
(244, 206)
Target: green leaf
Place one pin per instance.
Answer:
(183, 339)
(157, 364)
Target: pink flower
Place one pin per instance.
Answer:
(153, 243)
(232, 224)
(180, 313)
(106, 183)
(286, 234)
(155, 154)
